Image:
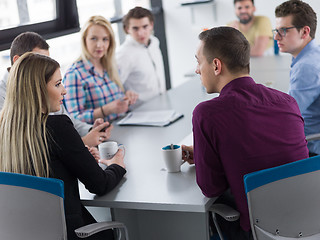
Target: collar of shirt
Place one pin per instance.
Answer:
(90, 68)
(304, 51)
(236, 84)
(132, 41)
(88, 65)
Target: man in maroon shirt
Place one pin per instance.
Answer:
(249, 127)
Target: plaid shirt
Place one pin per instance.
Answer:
(87, 90)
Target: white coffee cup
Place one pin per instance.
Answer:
(172, 155)
(107, 150)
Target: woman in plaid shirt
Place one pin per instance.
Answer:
(94, 89)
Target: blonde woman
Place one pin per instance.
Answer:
(94, 89)
(36, 143)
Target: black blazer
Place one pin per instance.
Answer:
(70, 160)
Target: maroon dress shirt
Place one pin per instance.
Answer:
(249, 127)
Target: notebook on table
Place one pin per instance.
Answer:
(160, 118)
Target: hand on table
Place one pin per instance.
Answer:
(117, 159)
(187, 154)
(96, 136)
(131, 96)
(118, 106)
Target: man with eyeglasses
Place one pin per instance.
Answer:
(256, 29)
(296, 24)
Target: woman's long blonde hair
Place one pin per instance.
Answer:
(108, 61)
(23, 137)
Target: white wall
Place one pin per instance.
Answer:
(182, 32)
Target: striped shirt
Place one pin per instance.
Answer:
(87, 90)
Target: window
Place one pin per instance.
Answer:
(18, 13)
(60, 22)
(128, 4)
(56, 18)
(67, 49)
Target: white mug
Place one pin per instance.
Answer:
(107, 150)
(172, 155)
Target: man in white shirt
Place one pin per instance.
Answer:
(33, 42)
(139, 58)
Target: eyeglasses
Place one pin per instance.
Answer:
(281, 31)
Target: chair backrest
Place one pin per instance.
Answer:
(284, 201)
(31, 208)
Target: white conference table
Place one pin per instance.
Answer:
(153, 203)
(272, 71)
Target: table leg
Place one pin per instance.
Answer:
(159, 225)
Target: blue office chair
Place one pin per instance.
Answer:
(32, 208)
(284, 201)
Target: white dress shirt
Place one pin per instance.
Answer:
(141, 67)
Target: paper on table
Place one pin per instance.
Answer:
(151, 118)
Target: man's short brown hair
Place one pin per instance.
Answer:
(235, 1)
(26, 42)
(302, 15)
(137, 13)
(229, 45)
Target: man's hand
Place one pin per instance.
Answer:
(187, 154)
